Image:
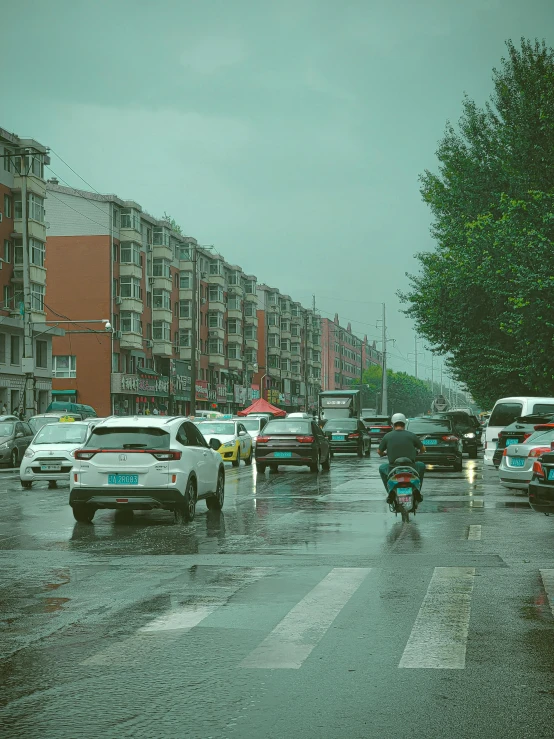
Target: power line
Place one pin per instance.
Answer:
(74, 172)
(79, 193)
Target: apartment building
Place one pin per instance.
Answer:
(345, 355)
(13, 168)
(289, 351)
(111, 260)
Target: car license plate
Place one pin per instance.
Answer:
(122, 479)
(50, 468)
(375, 431)
(430, 442)
(551, 474)
(338, 437)
(517, 461)
(283, 455)
(404, 498)
(509, 442)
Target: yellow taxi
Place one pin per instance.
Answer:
(236, 442)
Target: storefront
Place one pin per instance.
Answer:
(139, 394)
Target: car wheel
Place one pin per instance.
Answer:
(52, 484)
(473, 453)
(124, 515)
(13, 458)
(27, 484)
(236, 462)
(215, 501)
(327, 464)
(368, 453)
(83, 513)
(260, 467)
(361, 450)
(458, 467)
(315, 467)
(248, 460)
(186, 511)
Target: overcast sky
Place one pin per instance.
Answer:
(288, 133)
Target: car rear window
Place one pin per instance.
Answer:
(541, 436)
(129, 437)
(294, 426)
(61, 433)
(543, 408)
(431, 426)
(505, 413)
(377, 420)
(251, 425)
(341, 424)
(225, 429)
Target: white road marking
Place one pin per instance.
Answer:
(179, 619)
(293, 639)
(548, 582)
(439, 635)
(474, 532)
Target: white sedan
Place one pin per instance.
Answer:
(236, 442)
(49, 457)
(516, 465)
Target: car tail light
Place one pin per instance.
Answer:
(450, 437)
(354, 436)
(386, 428)
(538, 451)
(304, 439)
(486, 444)
(86, 453)
(166, 455)
(262, 439)
(538, 469)
(505, 452)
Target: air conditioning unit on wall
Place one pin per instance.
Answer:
(118, 300)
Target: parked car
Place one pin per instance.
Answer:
(377, 426)
(300, 414)
(516, 466)
(83, 410)
(146, 463)
(254, 426)
(518, 432)
(15, 437)
(236, 442)
(541, 487)
(469, 432)
(295, 441)
(348, 435)
(49, 456)
(37, 422)
(505, 412)
(443, 445)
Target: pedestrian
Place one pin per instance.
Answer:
(155, 412)
(4, 410)
(147, 412)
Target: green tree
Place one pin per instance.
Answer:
(174, 225)
(483, 294)
(406, 394)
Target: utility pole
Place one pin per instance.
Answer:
(306, 359)
(194, 333)
(441, 380)
(384, 399)
(361, 372)
(416, 356)
(28, 364)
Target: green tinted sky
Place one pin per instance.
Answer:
(288, 134)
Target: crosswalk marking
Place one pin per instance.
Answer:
(439, 636)
(547, 577)
(293, 639)
(474, 532)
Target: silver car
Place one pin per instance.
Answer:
(516, 465)
(15, 437)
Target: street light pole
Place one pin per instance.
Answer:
(28, 362)
(194, 332)
(384, 399)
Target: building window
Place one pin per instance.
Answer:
(162, 268)
(7, 160)
(8, 298)
(38, 251)
(130, 287)
(185, 337)
(234, 304)
(130, 321)
(161, 236)
(130, 218)
(215, 319)
(15, 355)
(115, 362)
(234, 351)
(17, 210)
(272, 320)
(273, 341)
(36, 208)
(162, 299)
(148, 330)
(42, 354)
(37, 296)
(185, 280)
(37, 166)
(233, 326)
(148, 299)
(185, 309)
(285, 365)
(64, 366)
(249, 332)
(295, 348)
(7, 206)
(249, 310)
(130, 253)
(285, 325)
(215, 268)
(274, 362)
(250, 287)
(216, 293)
(161, 331)
(295, 368)
(215, 346)
(7, 250)
(250, 356)
(2, 348)
(115, 254)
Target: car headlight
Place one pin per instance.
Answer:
(29, 453)
(5, 445)
(228, 445)
(469, 436)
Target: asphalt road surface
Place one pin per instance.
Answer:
(305, 609)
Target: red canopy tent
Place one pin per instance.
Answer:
(262, 406)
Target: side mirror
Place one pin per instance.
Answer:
(242, 433)
(215, 444)
(19, 435)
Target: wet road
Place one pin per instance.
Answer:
(305, 610)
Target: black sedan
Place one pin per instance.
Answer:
(443, 446)
(348, 435)
(292, 441)
(377, 426)
(518, 432)
(541, 487)
(465, 428)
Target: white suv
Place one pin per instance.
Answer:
(133, 463)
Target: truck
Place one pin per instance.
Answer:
(339, 404)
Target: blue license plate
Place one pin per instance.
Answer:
(509, 442)
(283, 455)
(430, 442)
(404, 491)
(375, 431)
(338, 437)
(517, 461)
(551, 474)
(122, 479)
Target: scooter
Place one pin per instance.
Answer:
(403, 480)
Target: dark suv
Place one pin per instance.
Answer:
(469, 430)
(518, 432)
(541, 487)
(443, 445)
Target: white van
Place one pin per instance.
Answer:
(505, 412)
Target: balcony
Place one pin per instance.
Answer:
(235, 289)
(251, 344)
(34, 184)
(286, 334)
(185, 323)
(162, 348)
(35, 229)
(129, 340)
(217, 332)
(234, 313)
(185, 293)
(275, 350)
(251, 320)
(162, 252)
(130, 270)
(132, 304)
(216, 280)
(162, 283)
(218, 360)
(274, 372)
(285, 354)
(286, 311)
(236, 364)
(274, 330)
(162, 314)
(216, 305)
(185, 352)
(251, 297)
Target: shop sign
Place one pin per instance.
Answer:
(221, 393)
(240, 394)
(255, 392)
(134, 384)
(201, 390)
(287, 398)
(294, 400)
(273, 396)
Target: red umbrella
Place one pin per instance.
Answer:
(262, 406)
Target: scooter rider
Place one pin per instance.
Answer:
(400, 443)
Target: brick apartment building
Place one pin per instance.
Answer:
(110, 260)
(12, 377)
(344, 355)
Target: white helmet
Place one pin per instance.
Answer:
(398, 418)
